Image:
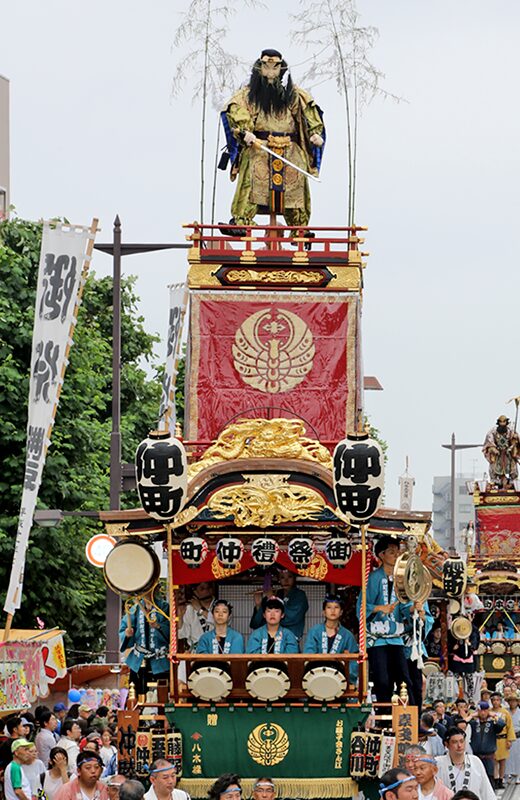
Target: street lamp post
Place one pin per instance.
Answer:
(121, 475)
(454, 447)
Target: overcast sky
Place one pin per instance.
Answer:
(95, 132)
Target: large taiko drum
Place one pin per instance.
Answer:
(268, 680)
(132, 568)
(210, 680)
(324, 680)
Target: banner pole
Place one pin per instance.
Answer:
(7, 629)
(363, 683)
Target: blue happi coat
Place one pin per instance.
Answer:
(382, 629)
(155, 650)
(317, 642)
(208, 643)
(285, 641)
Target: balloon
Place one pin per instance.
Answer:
(74, 696)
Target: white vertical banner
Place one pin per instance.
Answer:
(64, 261)
(178, 303)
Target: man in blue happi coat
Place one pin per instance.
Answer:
(295, 603)
(146, 631)
(385, 626)
(223, 639)
(330, 636)
(272, 637)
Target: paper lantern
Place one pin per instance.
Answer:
(193, 550)
(338, 550)
(301, 551)
(454, 576)
(264, 551)
(359, 476)
(162, 475)
(229, 552)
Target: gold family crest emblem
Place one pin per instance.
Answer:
(268, 744)
(273, 350)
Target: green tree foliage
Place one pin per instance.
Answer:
(60, 586)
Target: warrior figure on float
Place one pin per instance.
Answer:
(272, 112)
(502, 450)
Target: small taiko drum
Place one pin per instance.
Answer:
(210, 680)
(498, 648)
(515, 648)
(132, 568)
(268, 680)
(324, 680)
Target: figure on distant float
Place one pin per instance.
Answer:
(502, 450)
(271, 111)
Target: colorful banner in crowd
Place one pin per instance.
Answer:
(498, 531)
(43, 662)
(178, 302)
(64, 262)
(275, 742)
(320, 569)
(281, 354)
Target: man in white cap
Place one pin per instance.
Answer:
(16, 783)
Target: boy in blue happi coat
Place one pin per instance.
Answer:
(385, 626)
(330, 636)
(223, 639)
(271, 637)
(146, 631)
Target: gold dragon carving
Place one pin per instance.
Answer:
(263, 438)
(270, 276)
(268, 502)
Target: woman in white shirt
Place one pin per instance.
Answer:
(57, 774)
(107, 749)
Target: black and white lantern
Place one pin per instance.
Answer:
(338, 550)
(193, 550)
(264, 551)
(359, 476)
(454, 576)
(162, 475)
(301, 551)
(229, 552)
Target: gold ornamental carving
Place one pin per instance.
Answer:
(317, 569)
(273, 350)
(271, 276)
(263, 438)
(497, 500)
(219, 572)
(251, 504)
(268, 744)
(498, 664)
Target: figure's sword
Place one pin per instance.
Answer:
(285, 161)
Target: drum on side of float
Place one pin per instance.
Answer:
(323, 680)
(132, 568)
(515, 648)
(498, 648)
(481, 649)
(430, 668)
(268, 681)
(210, 680)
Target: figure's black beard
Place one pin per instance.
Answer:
(502, 428)
(271, 98)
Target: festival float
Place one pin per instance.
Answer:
(275, 469)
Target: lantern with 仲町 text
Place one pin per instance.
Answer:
(264, 551)
(193, 550)
(229, 552)
(359, 476)
(338, 550)
(301, 551)
(162, 475)
(454, 576)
